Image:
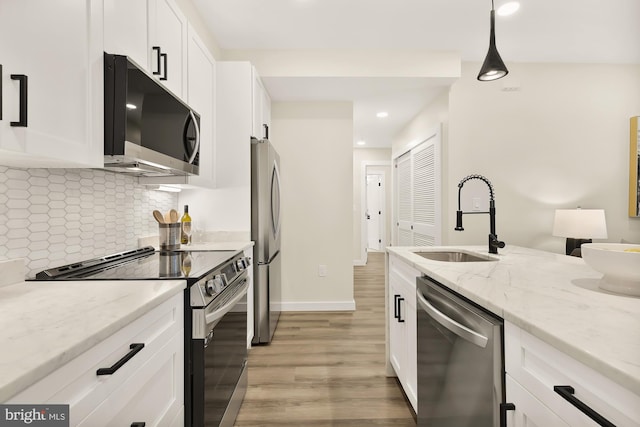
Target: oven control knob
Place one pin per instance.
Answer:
(220, 282)
(240, 264)
(210, 287)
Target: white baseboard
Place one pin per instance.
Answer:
(318, 305)
(359, 262)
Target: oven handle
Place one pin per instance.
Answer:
(455, 327)
(215, 316)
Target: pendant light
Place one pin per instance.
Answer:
(492, 68)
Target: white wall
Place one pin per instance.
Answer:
(559, 141)
(368, 156)
(314, 141)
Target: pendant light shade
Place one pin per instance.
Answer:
(493, 67)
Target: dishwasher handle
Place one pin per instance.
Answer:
(460, 330)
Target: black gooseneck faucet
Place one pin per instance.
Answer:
(494, 243)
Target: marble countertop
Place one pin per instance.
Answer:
(44, 325)
(212, 242)
(217, 246)
(552, 296)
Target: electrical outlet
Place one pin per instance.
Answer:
(322, 270)
(476, 203)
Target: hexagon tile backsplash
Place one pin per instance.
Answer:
(52, 217)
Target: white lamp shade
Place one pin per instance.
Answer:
(580, 224)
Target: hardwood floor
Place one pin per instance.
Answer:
(327, 368)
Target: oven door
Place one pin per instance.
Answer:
(219, 359)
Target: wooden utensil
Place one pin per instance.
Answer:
(158, 216)
(173, 214)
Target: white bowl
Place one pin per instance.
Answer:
(620, 264)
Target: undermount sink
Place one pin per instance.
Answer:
(454, 256)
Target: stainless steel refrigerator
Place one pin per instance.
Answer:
(265, 232)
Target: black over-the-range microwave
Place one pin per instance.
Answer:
(148, 131)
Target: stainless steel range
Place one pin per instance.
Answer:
(215, 319)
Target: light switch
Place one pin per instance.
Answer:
(322, 270)
(476, 203)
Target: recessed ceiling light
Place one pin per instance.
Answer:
(508, 8)
(382, 114)
(360, 143)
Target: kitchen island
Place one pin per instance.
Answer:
(554, 298)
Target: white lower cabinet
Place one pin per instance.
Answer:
(401, 320)
(529, 411)
(534, 370)
(147, 388)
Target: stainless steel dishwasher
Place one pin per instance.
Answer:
(460, 361)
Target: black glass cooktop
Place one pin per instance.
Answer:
(142, 266)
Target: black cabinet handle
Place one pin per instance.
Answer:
(138, 424)
(135, 348)
(504, 407)
(400, 319)
(266, 131)
(157, 49)
(22, 120)
(164, 60)
(395, 306)
(566, 391)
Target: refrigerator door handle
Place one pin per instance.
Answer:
(275, 200)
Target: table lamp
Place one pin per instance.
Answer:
(579, 226)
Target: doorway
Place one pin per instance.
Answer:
(374, 211)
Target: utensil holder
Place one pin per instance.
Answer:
(170, 263)
(169, 238)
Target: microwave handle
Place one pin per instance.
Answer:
(197, 146)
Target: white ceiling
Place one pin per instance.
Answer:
(583, 31)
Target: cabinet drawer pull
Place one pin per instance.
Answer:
(395, 306)
(400, 319)
(22, 120)
(566, 392)
(504, 407)
(138, 424)
(164, 61)
(157, 50)
(135, 348)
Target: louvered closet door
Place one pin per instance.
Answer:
(417, 195)
(404, 200)
(426, 227)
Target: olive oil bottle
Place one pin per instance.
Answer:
(185, 222)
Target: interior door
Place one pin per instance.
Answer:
(375, 206)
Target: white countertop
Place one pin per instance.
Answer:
(44, 325)
(554, 297)
(217, 246)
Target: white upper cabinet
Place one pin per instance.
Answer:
(126, 30)
(200, 96)
(51, 92)
(243, 107)
(154, 34)
(168, 37)
(261, 111)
